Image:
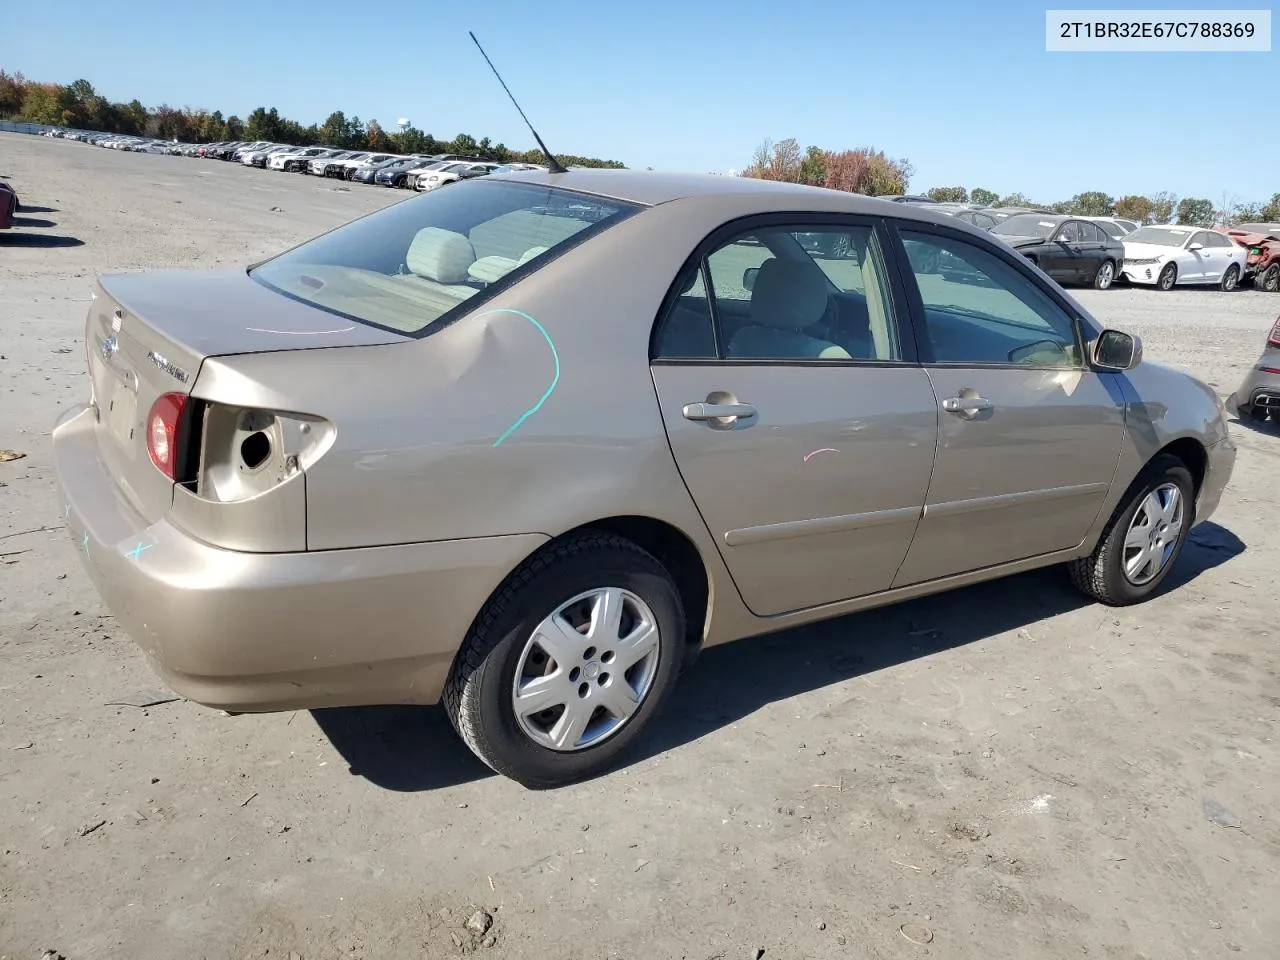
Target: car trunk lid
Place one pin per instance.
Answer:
(147, 334)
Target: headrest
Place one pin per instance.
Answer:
(788, 294)
(531, 253)
(490, 269)
(440, 255)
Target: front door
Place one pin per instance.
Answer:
(1029, 437)
(801, 424)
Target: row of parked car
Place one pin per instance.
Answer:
(1099, 251)
(418, 171)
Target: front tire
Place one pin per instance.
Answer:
(1230, 280)
(1105, 276)
(569, 661)
(1168, 277)
(1143, 539)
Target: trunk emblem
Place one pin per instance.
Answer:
(167, 366)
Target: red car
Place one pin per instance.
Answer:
(8, 205)
(1263, 263)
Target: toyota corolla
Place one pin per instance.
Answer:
(526, 445)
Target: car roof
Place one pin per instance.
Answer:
(652, 187)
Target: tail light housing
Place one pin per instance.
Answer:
(1273, 338)
(165, 434)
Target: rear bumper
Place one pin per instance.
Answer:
(263, 632)
(1259, 390)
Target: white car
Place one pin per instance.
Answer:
(1176, 255)
(347, 168)
(296, 159)
(1116, 227)
(456, 170)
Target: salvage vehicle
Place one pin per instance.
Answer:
(1258, 396)
(453, 173)
(1069, 249)
(8, 205)
(525, 446)
(1170, 255)
(1262, 263)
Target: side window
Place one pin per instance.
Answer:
(1070, 231)
(686, 331)
(1090, 233)
(804, 293)
(980, 309)
(1220, 241)
(1202, 238)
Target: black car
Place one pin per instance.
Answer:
(1069, 249)
(392, 173)
(365, 173)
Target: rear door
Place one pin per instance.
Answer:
(1029, 437)
(798, 417)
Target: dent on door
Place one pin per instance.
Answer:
(810, 479)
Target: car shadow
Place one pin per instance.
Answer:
(24, 208)
(1268, 428)
(39, 222)
(412, 749)
(8, 239)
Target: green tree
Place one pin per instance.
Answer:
(463, 143)
(1015, 200)
(1195, 211)
(983, 196)
(1163, 205)
(1270, 212)
(1247, 213)
(334, 129)
(948, 194)
(813, 167)
(44, 103)
(1092, 203)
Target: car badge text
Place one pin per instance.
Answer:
(167, 366)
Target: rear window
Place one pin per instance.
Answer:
(406, 266)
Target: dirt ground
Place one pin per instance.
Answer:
(1004, 771)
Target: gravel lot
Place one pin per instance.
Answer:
(1005, 769)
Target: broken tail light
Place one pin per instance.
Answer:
(166, 433)
(1273, 338)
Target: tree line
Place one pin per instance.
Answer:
(870, 172)
(79, 106)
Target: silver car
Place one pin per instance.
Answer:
(526, 445)
(1258, 396)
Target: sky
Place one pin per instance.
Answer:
(964, 90)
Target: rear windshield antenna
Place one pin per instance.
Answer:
(553, 164)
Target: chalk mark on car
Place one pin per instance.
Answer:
(555, 379)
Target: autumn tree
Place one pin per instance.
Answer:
(948, 194)
(1133, 207)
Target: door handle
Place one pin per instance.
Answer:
(718, 411)
(966, 404)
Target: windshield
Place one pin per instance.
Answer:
(1159, 236)
(407, 265)
(1027, 225)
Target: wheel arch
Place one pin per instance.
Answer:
(675, 551)
(1192, 453)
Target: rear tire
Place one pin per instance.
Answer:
(1105, 276)
(501, 653)
(1231, 279)
(1269, 279)
(1107, 574)
(1168, 278)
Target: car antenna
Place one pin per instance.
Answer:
(553, 164)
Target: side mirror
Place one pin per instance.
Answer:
(1062, 238)
(1196, 246)
(1115, 350)
(749, 278)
